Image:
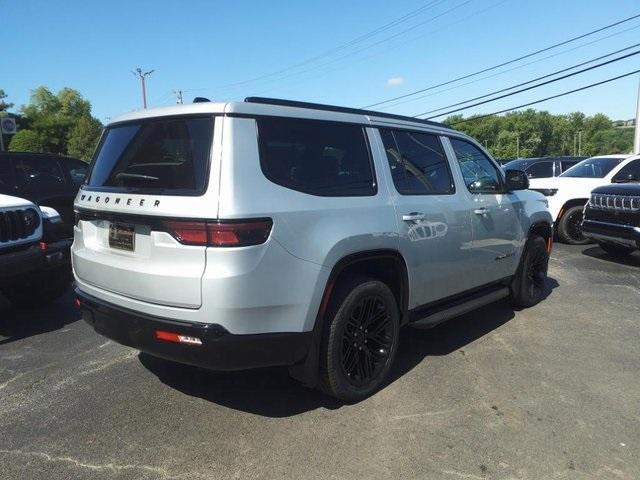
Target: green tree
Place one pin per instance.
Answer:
(4, 106)
(83, 138)
(539, 133)
(26, 141)
(60, 122)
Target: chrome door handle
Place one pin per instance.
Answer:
(413, 216)
(481, 211)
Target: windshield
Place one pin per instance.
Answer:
(160, 155)
(596, 167)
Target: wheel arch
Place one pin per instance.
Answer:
(371, 263)
(574, 202)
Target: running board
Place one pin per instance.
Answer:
(432, 317)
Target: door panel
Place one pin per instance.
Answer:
(495, 215)
(433, 219)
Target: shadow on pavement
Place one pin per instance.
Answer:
(16, 324)
(272, 393)
(632, 260)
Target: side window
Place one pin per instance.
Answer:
(39, 172)
(316, 157)
(540, 170)
(77, 172)
(7, 184)
(567, 165)
(418, 163)
(630, 172)
(479, 173)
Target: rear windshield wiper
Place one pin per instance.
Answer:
(135, 176)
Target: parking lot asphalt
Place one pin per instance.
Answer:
(548, 392)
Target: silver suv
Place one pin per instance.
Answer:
(272, 232)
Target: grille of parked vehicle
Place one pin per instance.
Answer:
(17, 224)
(621, 203)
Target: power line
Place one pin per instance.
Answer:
(546, 99)
(613, 60)
(522, 57)
(367, 47)
(343, 46)
(392, 49)
(513, 68)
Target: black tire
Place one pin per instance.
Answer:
(617, 251)
(40, 290)
(354, 362)
(528, 285)
(570, 227)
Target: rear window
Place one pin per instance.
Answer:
(316, 157)
(168, 156)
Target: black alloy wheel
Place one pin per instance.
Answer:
(367, 339)
(360, 339)
(570, 227)
(529, 283)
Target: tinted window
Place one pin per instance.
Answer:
(479, 173)
(39, 173)
(596, 167)
(320, 158)
(6, 176)
(540, 170)
(77, 172)
(566, 165)
(629, 173)
(417, 162)
(168, 155)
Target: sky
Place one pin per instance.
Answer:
(348, 52)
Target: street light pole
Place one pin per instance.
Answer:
(142, 76)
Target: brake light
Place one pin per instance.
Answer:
(221, 234)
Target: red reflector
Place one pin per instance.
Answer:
(177, 338)
(221, 234)
(78, 303)
(43, 245)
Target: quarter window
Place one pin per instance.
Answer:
(316, 157)
(418, 163)
(479, 173)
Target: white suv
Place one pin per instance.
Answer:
(568, 193)
(271, 232)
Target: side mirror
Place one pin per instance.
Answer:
(516, 180)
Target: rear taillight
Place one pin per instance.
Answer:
(220, 234)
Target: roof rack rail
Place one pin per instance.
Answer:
(334, 108)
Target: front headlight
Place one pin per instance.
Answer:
(547, 192)
(31, 220)
(50, 214)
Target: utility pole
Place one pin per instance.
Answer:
(142, 76)
(579, 143)
(178, 96)
(636, 138)
(575, 140)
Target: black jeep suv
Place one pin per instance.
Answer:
(45, 179)
(612, 218)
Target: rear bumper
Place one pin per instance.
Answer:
(220, 350)
(33, 260)
(612, 232)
